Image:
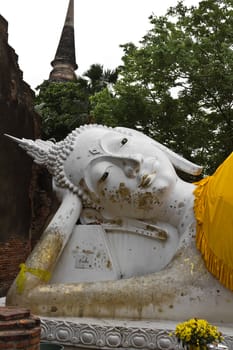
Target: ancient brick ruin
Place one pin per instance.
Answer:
(24, 204)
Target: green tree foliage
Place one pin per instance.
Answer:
(64, 106)
(177, 84)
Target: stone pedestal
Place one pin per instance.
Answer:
(19, 329)
(107, 334)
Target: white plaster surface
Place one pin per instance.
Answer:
(100, 253)
(86, 257)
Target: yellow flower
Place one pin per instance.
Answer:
(197, 332)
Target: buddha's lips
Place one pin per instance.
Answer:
(147, 179)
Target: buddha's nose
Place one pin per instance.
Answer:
(132, 166)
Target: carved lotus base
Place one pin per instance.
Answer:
(111, 334)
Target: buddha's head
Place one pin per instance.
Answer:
(115, 170)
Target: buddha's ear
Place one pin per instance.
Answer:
(178, 161)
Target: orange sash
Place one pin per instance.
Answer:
(213, 209)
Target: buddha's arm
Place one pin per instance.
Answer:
(185, 281)
(41, 262)
(183, 289)
(131, 297)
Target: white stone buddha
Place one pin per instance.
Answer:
(132, 253)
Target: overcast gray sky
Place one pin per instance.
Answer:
(34, 28)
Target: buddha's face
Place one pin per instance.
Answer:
(124, 175)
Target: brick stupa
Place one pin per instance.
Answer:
(64, 63)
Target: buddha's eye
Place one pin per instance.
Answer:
(104, 176)
(124, 141)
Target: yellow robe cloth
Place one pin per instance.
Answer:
(213, 209)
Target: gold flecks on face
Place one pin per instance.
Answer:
(123, 190)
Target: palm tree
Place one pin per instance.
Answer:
(98, 78)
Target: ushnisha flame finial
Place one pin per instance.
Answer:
(37, 149)
(51, 155)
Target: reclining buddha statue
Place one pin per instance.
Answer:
(130, 239)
